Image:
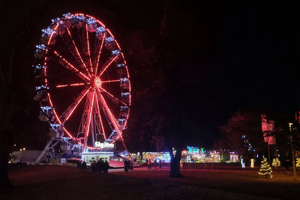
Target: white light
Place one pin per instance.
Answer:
(23, 149)
(104, 145)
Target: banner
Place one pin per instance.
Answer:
(268, 127)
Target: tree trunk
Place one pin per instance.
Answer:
(4, 180)
(5, 141)
(175, 164)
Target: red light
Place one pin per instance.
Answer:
(104, 68)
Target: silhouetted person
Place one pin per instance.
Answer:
(287, 163)
(93, 166)
(83, 166)
(101, 166)
(159, 163)
(149, 164)
(98, 165)
(106, 166)
(125, 166)
(129, 166)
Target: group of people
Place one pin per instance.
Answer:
(81, 165)
(100, 166)
(155, 163)
(128, 165)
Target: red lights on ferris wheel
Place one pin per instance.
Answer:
(86, 80)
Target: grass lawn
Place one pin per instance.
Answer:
(61, 182)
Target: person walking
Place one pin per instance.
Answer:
(149, 164)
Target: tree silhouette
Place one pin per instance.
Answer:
(16, 75)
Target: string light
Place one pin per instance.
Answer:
(265, 169)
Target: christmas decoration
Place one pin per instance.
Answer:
(298, 162)
(265, 169)
(274, 164)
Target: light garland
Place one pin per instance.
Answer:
(298, 162)
(265, 169)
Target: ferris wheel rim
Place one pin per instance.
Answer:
(94, 82)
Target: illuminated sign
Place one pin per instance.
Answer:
(104, 145)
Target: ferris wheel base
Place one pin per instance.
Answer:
(66, 147)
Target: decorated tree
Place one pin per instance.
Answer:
(276, 162)
(298, 162)
(265, 169)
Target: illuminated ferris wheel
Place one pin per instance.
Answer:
(86, 92)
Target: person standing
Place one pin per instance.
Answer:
(287, 163)
(125, 166)
(160, 164)
(106, 166)
(149, 164)
(93, 166)
(83, 166)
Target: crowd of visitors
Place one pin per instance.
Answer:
(99, 166)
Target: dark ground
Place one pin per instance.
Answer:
(60, 182)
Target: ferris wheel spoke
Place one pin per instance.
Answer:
(86, 119)
(98, 53)
(112, 97)
(111, 81)
(98, 118)
(69, 111)
(74, 51)
(88, 47)
(62, 61)
(110, 115)
(107, 64)
(70, 85)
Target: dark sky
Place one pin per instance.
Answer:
(249, 52)
(254, 65)
(244, 50)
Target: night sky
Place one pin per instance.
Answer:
(251, 60)
(247, 53)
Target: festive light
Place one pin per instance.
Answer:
(265, 169)
(298, 162)
(242, 163)
(276, 164)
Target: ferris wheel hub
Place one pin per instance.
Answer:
(97, 83)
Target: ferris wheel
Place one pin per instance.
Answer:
(85, 92)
